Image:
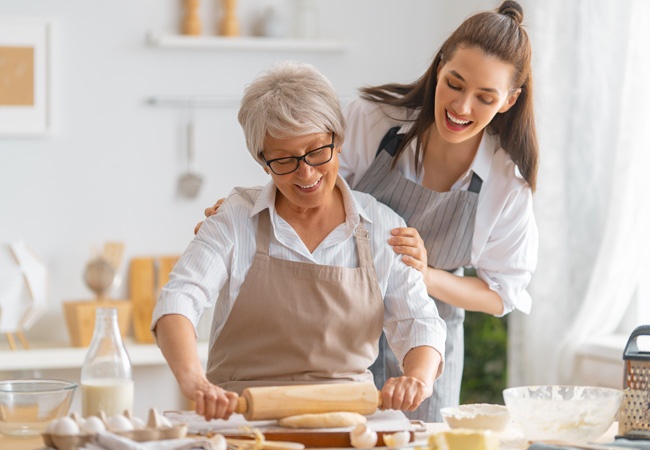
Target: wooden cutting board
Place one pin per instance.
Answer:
(383, 422)
(147, 275)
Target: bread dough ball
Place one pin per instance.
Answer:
(324, 420)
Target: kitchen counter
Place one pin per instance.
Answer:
(36, 443)
(42, 356)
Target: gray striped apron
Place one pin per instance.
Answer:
(445, 221)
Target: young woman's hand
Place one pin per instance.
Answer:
(407, 242)
(211, 211)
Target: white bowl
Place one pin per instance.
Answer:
(572, 413)
(477, 416)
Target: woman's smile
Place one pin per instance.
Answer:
(310, 187)
(455, 123)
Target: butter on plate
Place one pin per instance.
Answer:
(464, 439)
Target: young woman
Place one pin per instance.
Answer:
(455, 154)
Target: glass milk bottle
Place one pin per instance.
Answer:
(106, 379)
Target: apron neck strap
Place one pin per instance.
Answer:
(263, 237)
(361, 236)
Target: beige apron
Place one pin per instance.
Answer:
(295, 323)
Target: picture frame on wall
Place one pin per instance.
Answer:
(25, 76)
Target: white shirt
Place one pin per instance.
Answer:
(215, 264)
(505, 240)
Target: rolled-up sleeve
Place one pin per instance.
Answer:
(510, 255)
(199, 274)
(411, 317)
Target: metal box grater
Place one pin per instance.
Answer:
(634, 415)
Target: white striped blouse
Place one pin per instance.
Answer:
(215, 263)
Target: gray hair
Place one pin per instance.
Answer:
(290, 99)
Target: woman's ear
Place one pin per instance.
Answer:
(512, 99)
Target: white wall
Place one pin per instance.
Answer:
(108, 169)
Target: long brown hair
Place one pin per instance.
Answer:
(497, 33)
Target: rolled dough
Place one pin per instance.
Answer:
(324, 420)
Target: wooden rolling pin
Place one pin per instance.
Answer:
(276, 402)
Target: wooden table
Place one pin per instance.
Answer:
(36, 443)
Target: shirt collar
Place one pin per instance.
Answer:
(353, 210)
(482, 162)
(483, 159)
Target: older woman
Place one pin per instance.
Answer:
(301, 271)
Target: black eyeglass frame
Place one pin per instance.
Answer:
(302, 158)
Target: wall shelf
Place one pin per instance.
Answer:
(41, 357)
(244, 43)
(196, 101)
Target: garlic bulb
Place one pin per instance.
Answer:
(363, 437)
(396, 440)
(219, 442)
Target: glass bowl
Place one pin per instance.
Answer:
(28, 406)
(477, 416)
(571, 413)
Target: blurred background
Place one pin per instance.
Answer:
(122, 89)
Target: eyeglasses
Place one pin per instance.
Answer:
(317, 157)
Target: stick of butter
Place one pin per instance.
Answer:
(464, 439)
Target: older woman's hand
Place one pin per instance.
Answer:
(211, 211)
(212, 402)
(404, 393)
(407, 242)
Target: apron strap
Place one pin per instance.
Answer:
(263, 237)
(363, 246)
(475, 184)
(390, 141)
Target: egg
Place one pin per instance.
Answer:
(363, 437)
(138, 423)
(395, 440)
(51, 426)
(119, 422)
(66, 426)
(93, 425)
(164, 422)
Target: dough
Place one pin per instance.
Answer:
(324, 420)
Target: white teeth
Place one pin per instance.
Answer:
(456, 121)
(311, 185)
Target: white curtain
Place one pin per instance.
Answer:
(591, 68)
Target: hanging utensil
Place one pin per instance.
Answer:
(189, 183)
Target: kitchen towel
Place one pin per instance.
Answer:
(110, 441)
(622, 443)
